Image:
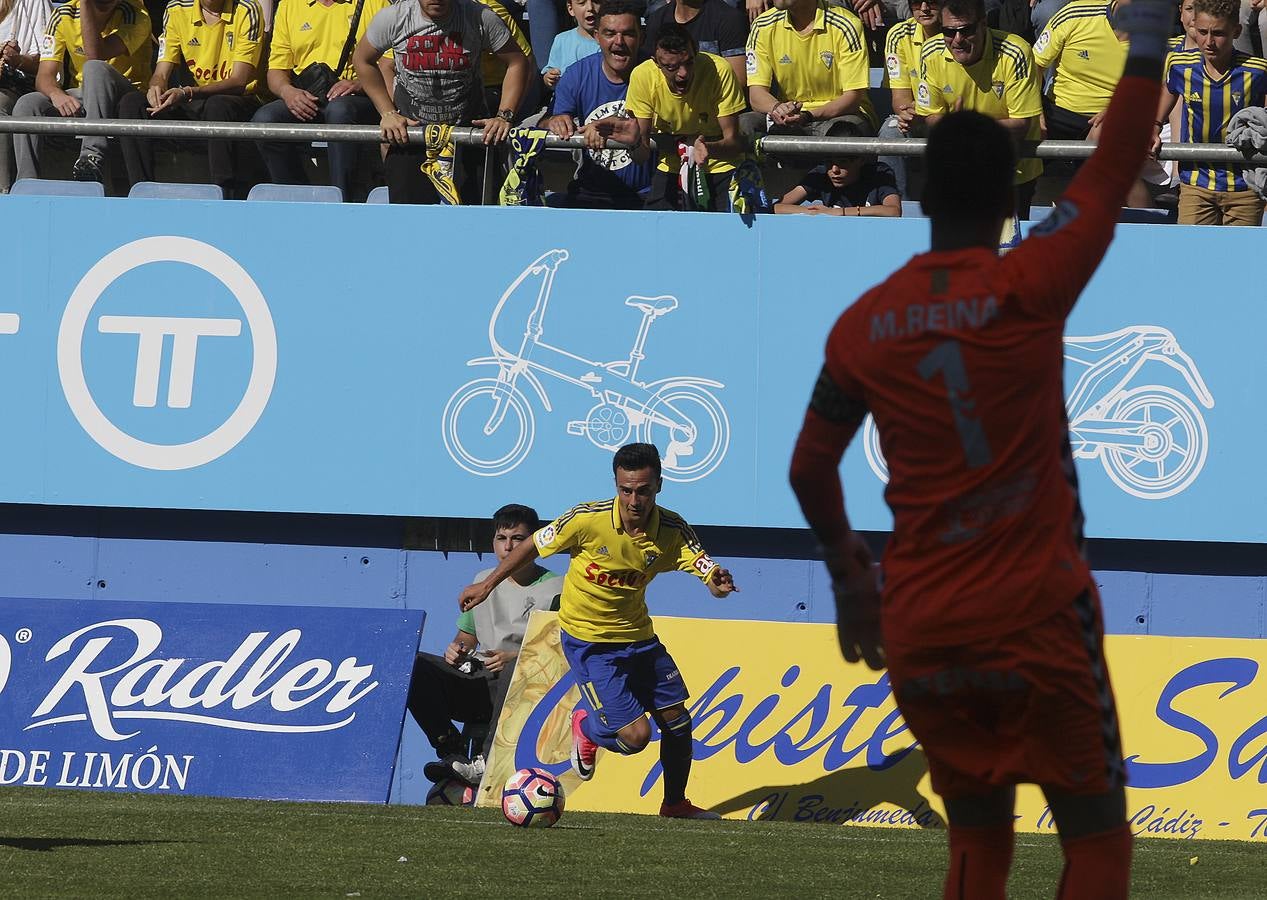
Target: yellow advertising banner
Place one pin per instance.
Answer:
(786, 730)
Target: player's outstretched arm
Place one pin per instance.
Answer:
(1051, 267)
(475, 594)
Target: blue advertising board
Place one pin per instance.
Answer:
(267, 702)
(469, 355)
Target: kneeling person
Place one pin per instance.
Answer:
(470, 687)
(622, 669)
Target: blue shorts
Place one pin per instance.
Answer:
(622, 682)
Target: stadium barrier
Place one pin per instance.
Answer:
(776, 143)
(785, 731)
(271, 703)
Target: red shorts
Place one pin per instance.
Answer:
(1033, 706)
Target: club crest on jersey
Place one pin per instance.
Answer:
(228, 39)
(1237, 97)
(997, 87)
(827, 57)
(652, 556)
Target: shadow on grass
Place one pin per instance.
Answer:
(47, 845)
(847, 795)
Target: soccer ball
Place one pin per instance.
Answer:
(532, 798)
(451, 792)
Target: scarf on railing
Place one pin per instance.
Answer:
(523, 185)
(440, 166)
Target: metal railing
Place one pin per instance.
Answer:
(790, 145)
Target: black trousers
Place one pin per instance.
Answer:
(439, 695)
(138, 155)
(406, 182)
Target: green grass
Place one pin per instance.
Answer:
(66, 843)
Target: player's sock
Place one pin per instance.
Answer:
(676, 748)
(1097, 866)
(979, 861)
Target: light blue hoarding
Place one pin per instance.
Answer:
(413, 361)
(267, 702)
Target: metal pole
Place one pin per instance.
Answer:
(790, 145)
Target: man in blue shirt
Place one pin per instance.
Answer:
(589, 98)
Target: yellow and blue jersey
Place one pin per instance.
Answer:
(1208, 104)
(605, 588)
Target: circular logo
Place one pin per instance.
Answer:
(226, 270)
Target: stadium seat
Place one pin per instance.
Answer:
(1145, 216)
(150, 190)
(378, 195)
(911, 210)
(48, 187)
(297, 193)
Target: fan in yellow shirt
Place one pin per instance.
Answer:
(694, 98)
(93, 54)
(974, 67)
(217, 44)
(1088, 56)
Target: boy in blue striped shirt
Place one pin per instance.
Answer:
(1213, 82)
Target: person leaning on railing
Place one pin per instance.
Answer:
(22, 24)
(309, 37)
(437, 46)
(103, 48)
(218, 45)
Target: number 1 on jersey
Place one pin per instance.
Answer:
(947, 359)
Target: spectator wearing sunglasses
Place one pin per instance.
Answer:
(974, 67)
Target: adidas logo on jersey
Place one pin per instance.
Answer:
(786, 60)
(947, 89)
(305, 27)
(194, 42)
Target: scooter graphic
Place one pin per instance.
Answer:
(489, 424)
(1151, 438)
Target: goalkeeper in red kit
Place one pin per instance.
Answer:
(988, 618)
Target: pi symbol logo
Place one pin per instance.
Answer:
(152, 385)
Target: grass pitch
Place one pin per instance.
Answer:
(67, 843)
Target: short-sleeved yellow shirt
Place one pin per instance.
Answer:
(604, 595)
(307, 31)
(713, 92)
(1002, 84)
(209, 51)
(64, 41)
(1088, 56)
(813, 68)
(492, 69)
(901, 54)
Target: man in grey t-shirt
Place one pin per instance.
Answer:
(436, 45)
(470, 686)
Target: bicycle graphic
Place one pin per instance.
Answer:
(1150, 438)
(489, 424)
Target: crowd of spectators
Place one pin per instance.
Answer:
(705, 77)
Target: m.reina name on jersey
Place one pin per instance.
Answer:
(946, 315)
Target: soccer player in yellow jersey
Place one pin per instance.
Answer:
(101, 48)
(305, 33)
(974, 67)
(623, 671)
(901, 70)
(218, 44)
(807, 69)
(694, 97)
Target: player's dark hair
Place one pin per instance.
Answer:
(619, 8)
(673, 38)
(969, 164)
(973, 10)
(1227, 10)
(513, 514)
(633, 457)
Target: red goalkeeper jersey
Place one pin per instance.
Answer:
(959, 357)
